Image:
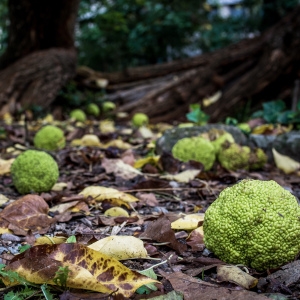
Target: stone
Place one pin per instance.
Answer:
(171, 136)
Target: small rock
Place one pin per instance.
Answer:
(171, 136)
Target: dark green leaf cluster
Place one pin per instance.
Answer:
(196, 115)
(276, 112)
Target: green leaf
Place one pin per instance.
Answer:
(147, 288)
(71, 239)
(61, 276)
(24, 248)
(47, 294)
(272, 109)
(25, 293)
(197, 116)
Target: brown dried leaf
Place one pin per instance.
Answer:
(237, 276)
(119, 168)
(192, 288)
(160, 230)
(28, 213)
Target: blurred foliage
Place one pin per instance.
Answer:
(3, 25)
(72, 97)
(196, 115)
(276, 112)
(113, 35)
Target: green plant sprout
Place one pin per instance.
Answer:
(61, 276)
(196, 115)
(30, 289)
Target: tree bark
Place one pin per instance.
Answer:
(252, 70)
(40, 57)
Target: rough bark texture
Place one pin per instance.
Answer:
(253, 70)
(35, 79)
(40, 57)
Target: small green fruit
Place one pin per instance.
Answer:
(49, 138)
(108, 106)
(34, 171)
(140, 119)
(93, 109)
(78, 115)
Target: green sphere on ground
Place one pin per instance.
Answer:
(234, 157)
(34, 171)
(195, 148)
(108, 106)
(255, 223)
(78, 115)
(140, 119)
(93, 109)
(49, 138)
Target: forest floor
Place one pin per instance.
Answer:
(184, 268)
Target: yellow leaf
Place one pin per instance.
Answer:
(42, 240)
(7, 118)
(263, 128)
(90, 140)
(118, 144)
(100, 193)
(188, 222)
(107, 126)
(48, 119)
(101, 82)
(210, 100)
(63, 207)
(145, 132)
(3, 199)
(237, 276)
(121, 247)
(88, 269)
(59, 186)
(153, 160)
(285, 163)
(197, 232)
(5, 165)
(185, 176)
(116, 212)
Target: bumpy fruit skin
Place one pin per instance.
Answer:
(258, 159)
(255, 223)
(93, 109)
(195, 148)
(245, 127)
(108, 106)
(34, 171)
(140, 119)
(78, 115)
(49, 138)
(219, 139)
(234, 157)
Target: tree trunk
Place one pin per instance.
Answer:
(40, 57)
(252, 70)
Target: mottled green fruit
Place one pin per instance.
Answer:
(195, 148)
(49, 138)
(78, 115)
(93, 109)
(255, 223)
(234, 157)
(108, 106)
(219, 139)
(244, 127)
(140, 119)
(34, 171)
(258, 159)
